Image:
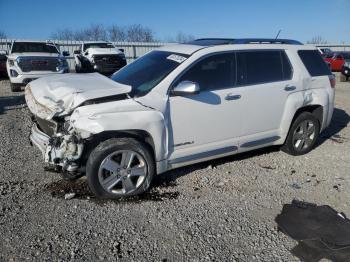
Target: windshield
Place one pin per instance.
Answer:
(27, 47)
(98, 45)
(147, 71)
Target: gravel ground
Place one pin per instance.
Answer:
(218, 210)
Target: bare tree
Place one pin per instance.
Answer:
(132, 33)
(64, 34)
(183, 38)
(318, 40)
(2, 35)
(116, 33)
(94, 33)
(139, 33)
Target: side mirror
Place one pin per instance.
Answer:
(65, 53)
(76, 52)
(121, 50)
(186, 88)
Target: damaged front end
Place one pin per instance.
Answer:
(61, 151)
(60, 145)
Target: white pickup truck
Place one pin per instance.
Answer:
(102, 57)
(29, 60)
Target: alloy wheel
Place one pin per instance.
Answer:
(304, 135)
(122, 172)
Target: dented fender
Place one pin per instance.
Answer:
(124, 116)
(295, 101)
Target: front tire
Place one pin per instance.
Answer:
(15, 87)
(120, 167)
(302, 135)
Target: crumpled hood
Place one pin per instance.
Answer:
(103, 51)
(63, 93)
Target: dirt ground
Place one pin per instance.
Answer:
(218, 210)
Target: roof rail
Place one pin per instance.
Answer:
(266, 41)
(227, 41)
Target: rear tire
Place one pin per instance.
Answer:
(343, 78)
(302, 135)
(78, 69)
(16, 87)
(120, 167)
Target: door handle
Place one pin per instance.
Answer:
(290, 88)
(232, 97)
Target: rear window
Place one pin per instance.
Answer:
(314, 63)
(256, 67)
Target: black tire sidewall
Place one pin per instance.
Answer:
(15, 87)
(109, 146)
(288, 146)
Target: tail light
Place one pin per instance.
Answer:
(332, 80)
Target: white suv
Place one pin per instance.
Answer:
(179, 105)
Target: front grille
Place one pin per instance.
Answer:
(109, 62)
(27, 64)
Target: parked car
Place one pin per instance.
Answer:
(324, 51)
(102, 57)
(178, 105)
(345, 71)
(337, 60)
(3, 58)
(29, 60)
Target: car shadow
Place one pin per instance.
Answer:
(11, 102)
(339, 121)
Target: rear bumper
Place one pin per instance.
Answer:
(39, 139)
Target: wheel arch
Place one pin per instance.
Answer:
(137, 134)
(315, 109)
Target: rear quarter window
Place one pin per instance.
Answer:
(314, 63)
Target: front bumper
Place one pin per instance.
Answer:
(64, 152)
(25, 78)
(39, 139)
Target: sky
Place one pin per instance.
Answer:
(298, 19)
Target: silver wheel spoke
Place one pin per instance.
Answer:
(311, 130)
(308, 141)
(304, 126)
(301, 144)
(110, 165)
(298, 136)
(111, 181)
(128, 185)
(137, 171)
(127, 158)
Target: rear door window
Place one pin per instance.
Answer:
(262, 66)
(213, 72)
(314, 63)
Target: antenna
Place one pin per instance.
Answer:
(278, 34)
